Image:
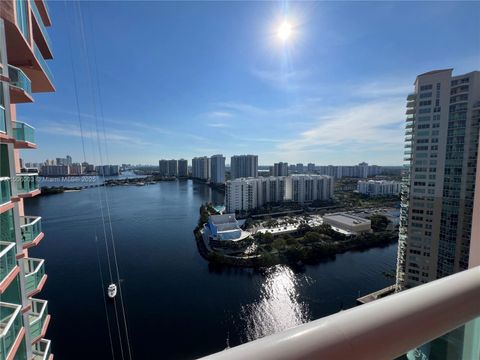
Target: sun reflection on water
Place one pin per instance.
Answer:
(278, 307)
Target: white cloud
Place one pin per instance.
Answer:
(371, 124)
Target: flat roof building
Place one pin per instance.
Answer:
(347, 223)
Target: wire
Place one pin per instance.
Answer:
(112, 239)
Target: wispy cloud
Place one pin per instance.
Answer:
(217, 125)
(372, 123)
(219, 114)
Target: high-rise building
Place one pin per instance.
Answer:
(201, 168)
(182, 168)
(68, 160)
(24, 49)
(172, 168)
(243, 166)
(441, 150)
(280, 169)
(299, 168)
(107, 170)
(245, 194)
(163, 167)
(378, 187)
(217, 169)
(310, 167)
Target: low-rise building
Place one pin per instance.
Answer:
(379, 187)
(223, 231)
(346, 223)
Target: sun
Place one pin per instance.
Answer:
(284, 32)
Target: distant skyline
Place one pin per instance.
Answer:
(185, 79)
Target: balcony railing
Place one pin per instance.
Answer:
(34, 272)
(5, 190)
(19, 79)
(26, 183)
(37, 316)
(10, 325)
(22, 18)
(23, 132)
(30, 227)
(383, 329)
(42, 62)
(41, 350)
(7, 258)
(3, 120)
(40, 23)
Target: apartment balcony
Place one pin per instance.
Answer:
(24, 135)
(8, 264)
(38, 319)
(42, 350)
(417, 321)
(411, 97)
(20, 86)
(31, 230)
(11, 330)
(410, 111)
(22, 50)
(27, 185)
(411, 104)
(40, 33)
(409, 126)
(35, 276)
(5, 191)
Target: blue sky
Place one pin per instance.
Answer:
(183, 79)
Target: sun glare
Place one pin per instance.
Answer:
(284, 32)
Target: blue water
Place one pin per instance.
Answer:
(177, 305)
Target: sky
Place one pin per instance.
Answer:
(141, 81)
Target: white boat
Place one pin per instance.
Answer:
(112, 291)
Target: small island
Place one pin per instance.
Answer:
(299, 238)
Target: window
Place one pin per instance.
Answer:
(426, 87)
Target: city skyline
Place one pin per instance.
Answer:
(246, 98)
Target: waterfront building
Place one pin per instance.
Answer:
(348, 224)
(243, 166)
(245, 194)
(182, 168)
(217, 169)
(378, 187)
(441, 151)
(280, 169)
(24, 49)
(223, 231)
(310, 167)
(163, 167)
(107, 170)
(172, 168)
(76, 169)
(68, 160)
(299, 168)
(55, 170)
(201, 168)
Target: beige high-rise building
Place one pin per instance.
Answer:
(441, 149)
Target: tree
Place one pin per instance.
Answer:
(303, 229)
(379, 222)
(311, 237)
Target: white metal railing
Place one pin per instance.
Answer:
(7, 248)
(29, 221)
(39, 307)
(383, 329)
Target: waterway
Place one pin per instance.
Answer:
(177, 306)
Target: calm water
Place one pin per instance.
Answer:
(177, 306)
